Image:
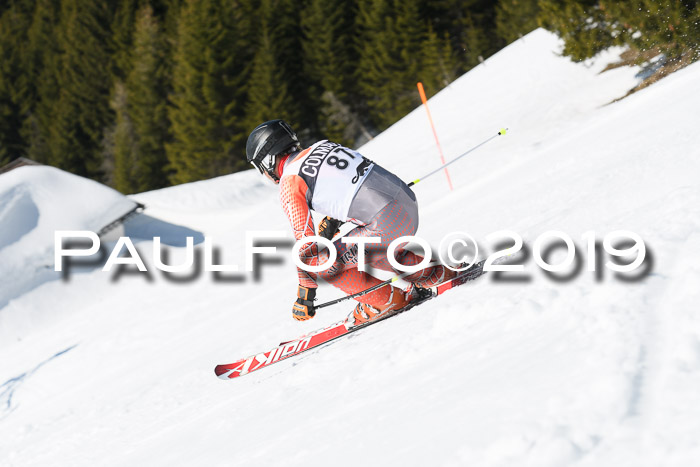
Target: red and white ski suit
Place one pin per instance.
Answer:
(339, 182)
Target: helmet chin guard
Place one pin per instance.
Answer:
(267, 141)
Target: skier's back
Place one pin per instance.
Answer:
(344, 186)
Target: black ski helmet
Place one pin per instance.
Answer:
(267, 141)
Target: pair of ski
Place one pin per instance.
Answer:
(335, 331)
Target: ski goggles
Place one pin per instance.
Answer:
(266, 165)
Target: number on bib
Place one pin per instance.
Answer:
(337, 162)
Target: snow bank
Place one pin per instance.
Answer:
(36, 201)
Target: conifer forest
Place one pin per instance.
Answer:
(144, 94)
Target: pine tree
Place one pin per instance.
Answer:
(269, 95)
(169, 12)
(391, 58)
(328, 67)
(268, 98)
(437, 63)
(285, 33)
(123, 27)
(14, 23)
(668, 27)
(121, 149)
(206, 97)
(470, 27)
(375, 70)
(648, 27)
(581, 23)
(82, 113)
(141, 127)
(515, 18)
(410, 34)
(148, 85)
(41, 69)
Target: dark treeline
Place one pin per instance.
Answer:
(144, 94)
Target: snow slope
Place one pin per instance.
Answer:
(582, 372)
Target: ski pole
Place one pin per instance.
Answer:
(371, 289)
(502, 131)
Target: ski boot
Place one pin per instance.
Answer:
(399, 301)
(364, 313)
(437, 276)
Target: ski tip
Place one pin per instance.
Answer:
(226, 371)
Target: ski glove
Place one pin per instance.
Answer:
(303, 308)
(329, 227)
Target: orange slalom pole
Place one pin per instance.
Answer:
(421, 91)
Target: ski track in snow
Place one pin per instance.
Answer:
(118, 370)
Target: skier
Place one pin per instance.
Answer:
(344, 186)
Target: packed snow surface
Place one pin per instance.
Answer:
(117, 369)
